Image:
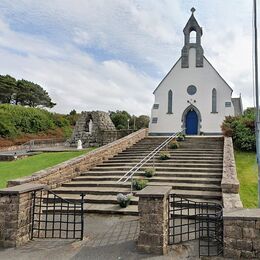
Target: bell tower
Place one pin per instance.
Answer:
(192, 39)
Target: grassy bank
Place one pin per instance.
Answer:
(247, 175)
(27, 166)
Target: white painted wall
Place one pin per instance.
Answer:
(205, 79)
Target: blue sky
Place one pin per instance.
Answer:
(111, 54)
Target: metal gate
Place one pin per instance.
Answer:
(189, 220)
(55, 217)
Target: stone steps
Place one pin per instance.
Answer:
(165, 163)
(158, 173)
(179, 169)
(107, 184)
(194, 171)
(157, 178)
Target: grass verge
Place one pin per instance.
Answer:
(247, 175)
(27, 166)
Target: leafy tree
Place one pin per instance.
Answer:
(142, 121)
(120, 119)
(32, 95)
(7, 89)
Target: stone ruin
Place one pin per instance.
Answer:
(93, 129)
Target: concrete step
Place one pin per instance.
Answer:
(194, 194)
(89, 198)
(158, 173)
(109, 184)
(98, 209)
(165, 163)
(91, 190)
(153, 179)
(181, 168)
(100, 186)
(173, 160)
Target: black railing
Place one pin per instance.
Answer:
(55, 217)
(189, 220)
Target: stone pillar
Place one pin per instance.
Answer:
(15, 214)
(153, 212)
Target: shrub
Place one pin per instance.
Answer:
(174, 145)
(149, 172)
(123, 200)
(164, 156)
(242, 130)
(180, 137)
(16, 120)
(139, 184)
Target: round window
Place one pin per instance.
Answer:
(191, 90)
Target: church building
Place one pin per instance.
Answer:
(192, 95)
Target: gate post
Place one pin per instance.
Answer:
(153, 212)
(15, 214)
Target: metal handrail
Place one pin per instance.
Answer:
(129, 175)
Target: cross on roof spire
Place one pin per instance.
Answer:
(193, 10)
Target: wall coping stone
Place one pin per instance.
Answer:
(154, 191)
(229, 183)
(243, 214)
(22, 188)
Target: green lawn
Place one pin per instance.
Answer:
(27, 166)
(247, 175)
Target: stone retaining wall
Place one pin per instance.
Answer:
(64, 172)
(15, 214)
(242, 233)
(230, 183)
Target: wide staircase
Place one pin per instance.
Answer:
(194, 171)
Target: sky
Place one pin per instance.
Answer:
(111, 54)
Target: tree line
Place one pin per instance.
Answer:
(23, 92)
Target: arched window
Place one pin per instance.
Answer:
(193, 37)
(214, 100)
(169, 102)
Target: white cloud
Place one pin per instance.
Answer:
(110, 54)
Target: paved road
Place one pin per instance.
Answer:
(106, 237)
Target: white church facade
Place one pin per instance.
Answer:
(192, 95)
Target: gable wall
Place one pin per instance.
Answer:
(205, 79)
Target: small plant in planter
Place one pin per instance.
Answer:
(148, 172)
(180, 137)
(164, 156)
(174, 144)
(123, 200)
(139, 184)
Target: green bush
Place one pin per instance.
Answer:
(148, 172)
(180, 137)
(16, 120)
(242, 130)
(164, 156)
(174, 145)
(139, 184)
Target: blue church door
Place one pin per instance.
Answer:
(191, 123)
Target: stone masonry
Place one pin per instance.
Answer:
(90, 128)
(66, 171)
(153, 212)
(230, 183)
(242, 233)
(15, 214)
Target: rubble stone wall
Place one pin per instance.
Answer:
(89, 129)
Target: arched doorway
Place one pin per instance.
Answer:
(191, 120)
(191, 123)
